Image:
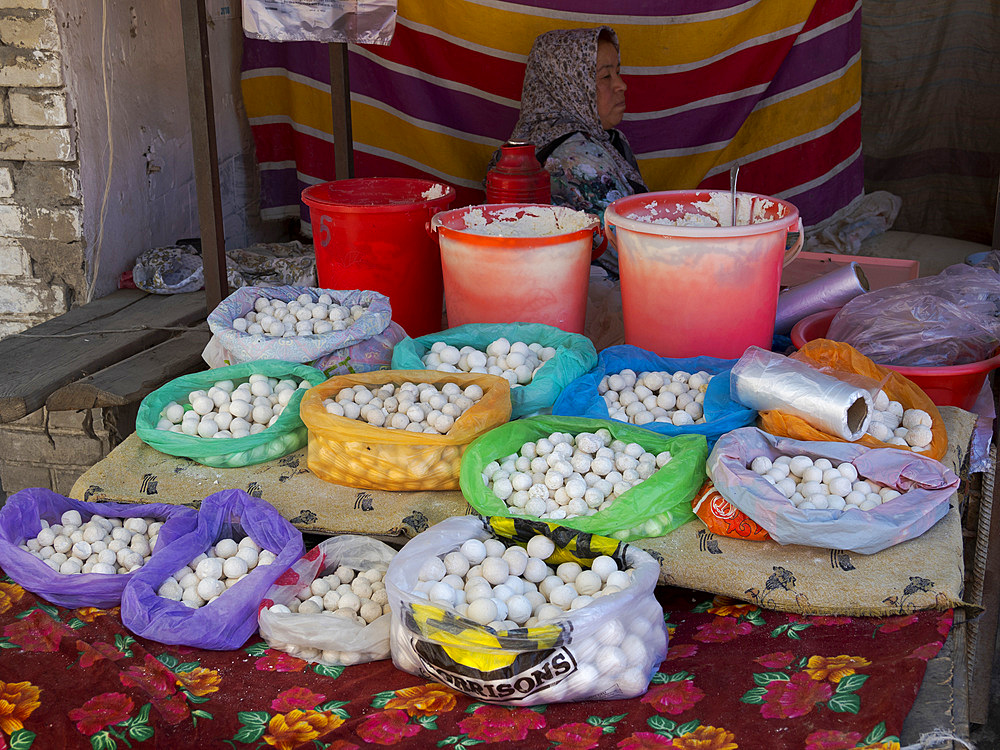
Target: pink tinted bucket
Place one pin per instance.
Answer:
(514, 279)
(710, 289)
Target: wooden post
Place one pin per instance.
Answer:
(206, 154)
(340, 100)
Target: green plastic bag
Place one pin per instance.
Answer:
(575, 355)
(656, 507)
(284, 436)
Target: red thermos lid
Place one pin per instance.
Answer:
(517, 177)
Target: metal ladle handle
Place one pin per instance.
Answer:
(734, 172)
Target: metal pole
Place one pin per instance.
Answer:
(194, 25)
(340, 99)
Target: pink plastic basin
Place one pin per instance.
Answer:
(955, 385)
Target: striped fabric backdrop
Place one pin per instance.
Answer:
(773, 85)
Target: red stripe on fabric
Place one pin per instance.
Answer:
(826, 11)
(807, 161)
(741, 70)
(439, 57)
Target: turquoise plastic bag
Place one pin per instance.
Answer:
(581, 399)
(575, 355)
(655, 507)
(284, 436)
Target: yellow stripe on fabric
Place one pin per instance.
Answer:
(773, 124)
(271, 96)
(449, 154)
(678, 40)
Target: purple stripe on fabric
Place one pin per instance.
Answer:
(309, 59)
(280, 187)
(427, 101)
(818, 57)
(822, 201)
(691, 129)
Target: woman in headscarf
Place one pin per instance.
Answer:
(572, 101)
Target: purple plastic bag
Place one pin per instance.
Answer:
(21, 519)
(926, 486)
(934, 321)
(227, 622)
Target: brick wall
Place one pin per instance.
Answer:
(41, 234)
(52, 449)
(41, 240)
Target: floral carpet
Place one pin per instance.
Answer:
(735, 676)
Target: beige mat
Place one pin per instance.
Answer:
(923, 573)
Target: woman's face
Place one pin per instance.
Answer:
(610, 86)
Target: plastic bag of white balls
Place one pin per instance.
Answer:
(925, 486)
(833, 357)
(225, 518)
(38, 523)
(606, 648)
(344, 330)
(346, 620)
(659, 395)
(574, 355)
(355, 453)
(286, 435)
(653, 507)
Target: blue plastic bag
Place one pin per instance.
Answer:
(21, 519)
(575, 354)
(581, 399)
(227, 622)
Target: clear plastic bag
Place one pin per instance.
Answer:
(364, 346)
(926, 487)
(227, 622)
(563, 660)
(319, 637)
(575, 355)
(286, 435)
(21, 517)
(357, 454)
(834, 357)
(949, 319)
(581, 399)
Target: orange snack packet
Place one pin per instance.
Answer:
(723, 518)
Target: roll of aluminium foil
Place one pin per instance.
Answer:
(765, 381)
(829, 291)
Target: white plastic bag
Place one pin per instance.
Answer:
(358, 21)
(320, 637)
(606, 650)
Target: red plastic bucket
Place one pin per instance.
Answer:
(954, 385)
(515, 279)
(372, 233)
(710, 289)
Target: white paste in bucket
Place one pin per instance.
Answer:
(534, 221)
(715, 212)
(437, 190)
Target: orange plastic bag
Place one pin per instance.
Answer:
(723, 518)
(836, 355)
(357, 454)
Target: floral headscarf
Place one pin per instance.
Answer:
(559, 95)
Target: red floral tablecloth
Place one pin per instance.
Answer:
(735, 676)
